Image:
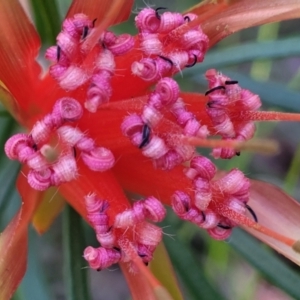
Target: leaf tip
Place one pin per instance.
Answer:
(296, 246)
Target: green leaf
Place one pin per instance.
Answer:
(35, 275)
(190, 271)
(266, 262)
(74, 264)
(47, 19)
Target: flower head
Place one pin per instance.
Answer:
(114, 119)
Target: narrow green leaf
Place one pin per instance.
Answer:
(74, 264)
(8, 176)
(35, 275)
(266, 262)
(47, 19)
(190, 272)
(292, 175)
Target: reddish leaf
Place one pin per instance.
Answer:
(19, 45)
(277, 211)
(10, 103)
(110, 12)
(13, 241)
(244, 14)
(138, 285)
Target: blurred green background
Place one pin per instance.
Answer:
(265, 60)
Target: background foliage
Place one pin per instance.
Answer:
(265, 60)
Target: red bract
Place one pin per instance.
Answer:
(96, 128)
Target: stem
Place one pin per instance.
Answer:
(257, 145)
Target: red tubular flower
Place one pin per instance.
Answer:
(95, 134)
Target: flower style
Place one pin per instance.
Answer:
(102, 129)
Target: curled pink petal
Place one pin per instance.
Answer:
(202, 199)
(70, 135)
(155, 211)
(94, 204)
(170, 21)
(39, 180)
(204, 166)
(193, 38)
(148, 234)
(219, 234)
(64, 170)
(51, 53)
(156, 148)
(131, 124)
(150, 44)
(37, 161)
(232, 182)
(106, 61)
(145, 69)
(86, 144)
(151, 116)
(101, 258)
(168, 90)
(123, 44)
(99, 159)
(211, 220)
(72, 78)
(125, 219)
(40, 132)
(25, 153)
(146, 20)
(181, 203)
(14, 144)
(106, 239)
(168, 161)
(68, 108)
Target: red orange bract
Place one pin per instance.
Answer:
(31, 97)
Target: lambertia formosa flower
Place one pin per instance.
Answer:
(108, 117)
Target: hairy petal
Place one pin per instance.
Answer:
(13, 241)
(277, 211)
(19, 45)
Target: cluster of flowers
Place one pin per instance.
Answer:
(132, 222)
(156, 130)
